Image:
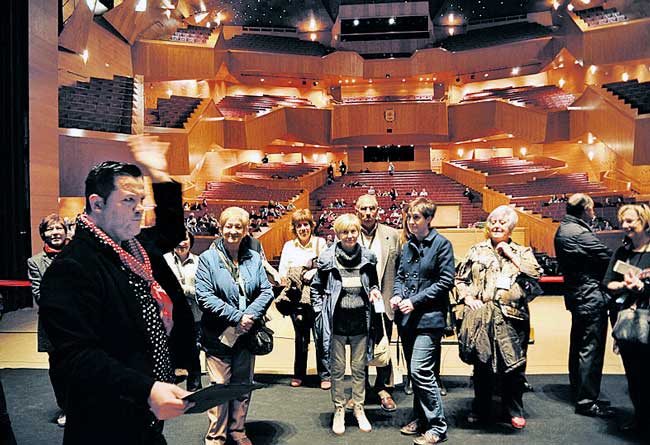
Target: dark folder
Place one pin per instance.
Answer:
(217, 394)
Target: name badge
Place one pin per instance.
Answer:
(379, 306)
(503, 282)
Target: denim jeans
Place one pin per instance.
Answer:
(420, 349)
(358, 361)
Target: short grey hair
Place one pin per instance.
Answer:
(578, 203)
(507, 212)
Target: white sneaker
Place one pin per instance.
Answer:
(61, 420)
(362, 420)
(338, 424)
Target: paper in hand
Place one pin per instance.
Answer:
(623, 267)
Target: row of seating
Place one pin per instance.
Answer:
(172, 112)
(634, 93)
(364, 99)
(440, 189)
(279, 170)
(599, 16)
(557, 210)
(191, 34)
(547, 97)
(501, 165)
(277, 44)
(564, 183)
(243, 105)
(235, 191)
(495, 35)
(99, 105)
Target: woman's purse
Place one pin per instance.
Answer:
(260, 339)
(381, 352)
(632, 325)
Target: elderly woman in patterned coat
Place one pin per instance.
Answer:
(496, 282)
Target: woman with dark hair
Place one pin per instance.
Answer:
(421, 301)
(496, 281)
(53, 231)
(341, 293)
(632, 290)
(297, 268)
(234, 293)
(184, 263)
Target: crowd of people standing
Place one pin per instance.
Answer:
(166, 304)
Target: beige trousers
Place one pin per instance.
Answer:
(229, 418)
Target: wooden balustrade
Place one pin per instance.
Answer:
(540, 231)
(471, 178)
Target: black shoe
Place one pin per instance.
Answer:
(408, 388)
(603, 403)
(528, 387)
(443, 389)
(595, 411)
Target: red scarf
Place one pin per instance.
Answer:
(51, 251)
(140, 266)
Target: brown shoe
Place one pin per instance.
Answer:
(241, 440)
(388, 404)
(429, 439)
(325, 385)
(410, 429)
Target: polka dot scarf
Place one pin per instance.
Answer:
(140, 266)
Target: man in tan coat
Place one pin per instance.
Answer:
(384, 242)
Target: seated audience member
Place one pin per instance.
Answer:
(371, 190)
(234, 293)
(424, 192)
(53, 232)
(342, 292)
(297, 268)
(183, 263)
(469, 194)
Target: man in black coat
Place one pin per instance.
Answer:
(583, 261)
(114, 311)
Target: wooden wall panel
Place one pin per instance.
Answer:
(642, 140)
(108, 55)
(190, 88)
(524, 123)
(480, 114)
(309, 125)
(43, 114)
(234, 133)
(541, 231)
(262, 130)
(600, 113)
(428, 120)
(78, 155)
(162, 61)
(617, 42)
(74, 36)
(129, 23)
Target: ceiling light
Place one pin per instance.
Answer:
(355, 22)
(591, 155)
(169, 92)
(451, 31)
(391, 21)
(141, 6)
(523, 151)
(561, 82)
(262, 79)
(593, 69)
(312, 36)
(625, 77)
(84, 55)
(515, 71)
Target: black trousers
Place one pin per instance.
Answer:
(511, 387)
(56, 380)
(636, 360)
(586, 355)
(6, 432)
(303, 324)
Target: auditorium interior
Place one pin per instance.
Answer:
(516, 102)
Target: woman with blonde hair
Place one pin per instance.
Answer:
(297, 268)
(234, 293)
(342, 291)
(631, 289)
(496, 281)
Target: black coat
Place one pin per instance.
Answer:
(91, 314)
(583, 260)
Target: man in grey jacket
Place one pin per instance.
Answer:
(384, 242)
(53, 231)
(583, 260)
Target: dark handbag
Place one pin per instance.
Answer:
(632, 325)
(259, 340)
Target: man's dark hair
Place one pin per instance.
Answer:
(189, 236)
(101, 178)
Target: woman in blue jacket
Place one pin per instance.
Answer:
(421, 301)
(233, 292)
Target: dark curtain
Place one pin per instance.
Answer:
(14, 150)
